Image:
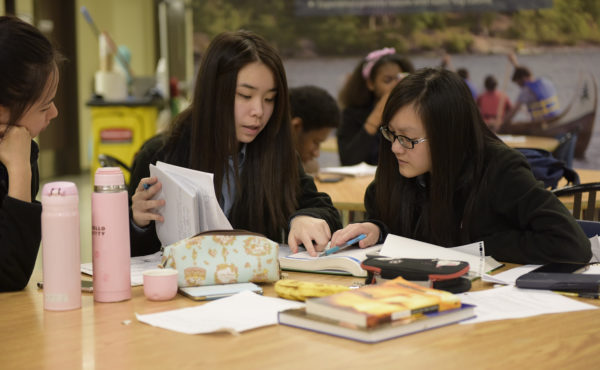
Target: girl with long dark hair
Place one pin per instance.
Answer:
(238, 128)
(444, 178)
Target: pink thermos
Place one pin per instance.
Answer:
(110, 236)
(61, 259)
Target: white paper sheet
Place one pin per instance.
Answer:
(235, 314)
(595, 244)
(138, 266)
(509, 302)
(509, 277)
(474, 253)
(361, 169)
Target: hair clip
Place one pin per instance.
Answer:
(372, 58)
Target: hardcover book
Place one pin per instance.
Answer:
(373, 305)
(300, 319)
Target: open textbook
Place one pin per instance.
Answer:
(191, 204)
(346, 262)
(474, 253)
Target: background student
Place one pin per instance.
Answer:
(444, 178)
(493, 104)
(28, 82)
(314, 115)
(363, 98)
(238, 128)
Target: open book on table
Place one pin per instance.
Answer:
(346, 262)
(191, 204)
(474, 253)
(361, 169)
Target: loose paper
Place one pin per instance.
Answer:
(235, 314)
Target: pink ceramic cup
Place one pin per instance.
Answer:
(160, 284)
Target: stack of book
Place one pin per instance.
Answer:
(379, 312)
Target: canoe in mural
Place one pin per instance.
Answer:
(578, 116)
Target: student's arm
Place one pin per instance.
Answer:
(20, 232)
(318, 207)
(355, 143)
(521, 222)
(374, 229)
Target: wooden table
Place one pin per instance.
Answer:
(527, 141)
(96, 337)
(348, 194)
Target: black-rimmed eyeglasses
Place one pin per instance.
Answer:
(405, 141)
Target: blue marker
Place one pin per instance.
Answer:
(147, 186)
(349, 243)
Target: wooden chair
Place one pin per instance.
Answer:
(582, 209)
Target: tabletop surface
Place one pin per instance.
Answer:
(98, 336)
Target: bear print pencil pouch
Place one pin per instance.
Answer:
(223, 257)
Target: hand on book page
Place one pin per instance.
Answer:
(346, 262)
(191, 205)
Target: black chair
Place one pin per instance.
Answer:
(110, 161)
(107, 160)
(590, 228)
(590, 212)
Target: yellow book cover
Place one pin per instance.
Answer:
(372, 305)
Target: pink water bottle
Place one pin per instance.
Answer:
(60, 246)
(110, 237)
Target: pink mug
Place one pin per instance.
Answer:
(160, 284)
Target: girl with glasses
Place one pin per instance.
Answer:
(362, 99)
(238, 128)
(28, 83)
(444, 178)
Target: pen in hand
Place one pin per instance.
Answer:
(338, 248)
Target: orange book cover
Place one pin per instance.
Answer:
(372, 305)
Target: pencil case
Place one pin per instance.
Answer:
(223, 257)
(433, 273)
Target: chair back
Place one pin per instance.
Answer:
(584, 200)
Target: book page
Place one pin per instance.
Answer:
(180, 211)
(210, 214)
(347, 260)
(400, 247)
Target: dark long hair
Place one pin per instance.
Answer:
(27, 60)
(266, 190)
(355, 92)
(457, 137)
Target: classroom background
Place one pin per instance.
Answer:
(165, 40)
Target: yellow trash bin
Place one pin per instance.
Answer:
(120, 129)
